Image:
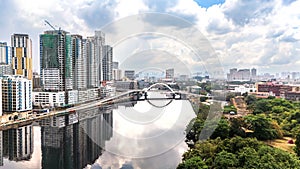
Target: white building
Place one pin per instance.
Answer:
(87, 95)
(5, 69)
(240, 75)
(107, 91)
(50, 79)
(5, 53)
(79, 62)
(117, 74)
(49, 99)
(16, 94)
(245, 89)
(72, 97)
(92, 63)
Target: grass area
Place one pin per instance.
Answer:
(282, 144)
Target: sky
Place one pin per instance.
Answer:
(243, 34)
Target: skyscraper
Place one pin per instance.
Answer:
(79, 62)
(107, 63)
(5, 69)
(56, 60)
(5, 53)
(94, 55)
(99, 44)
(253, 73)
(170, 73)
(21, 52)
(92, 63)
(115, 65)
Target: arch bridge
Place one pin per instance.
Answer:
(139, 95)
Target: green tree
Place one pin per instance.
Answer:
(193, 163)
(261, 106)
(262, 127)
(297, 142)
(203, 111)
(225, 160)
(229, 96)
(222, 130)
(248, 158)
(194, 133)
(249, 99)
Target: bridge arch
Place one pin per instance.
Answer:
(156, 84)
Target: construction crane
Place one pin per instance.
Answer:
(48, 23)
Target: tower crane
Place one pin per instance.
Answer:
(48, 23)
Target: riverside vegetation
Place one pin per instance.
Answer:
(238, 142)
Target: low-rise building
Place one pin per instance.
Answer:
(125, 85)
(262, 95)
(72, 97)
(194, 89)
(295, 96)
(49, 99)
(244, 89)
(276, 89)
(129, 74)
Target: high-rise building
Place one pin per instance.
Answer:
(170, 73)
(129, 74)
(16, 94)
(92, 63)
(240, 75)
(5, 69)
(56, 60)
(253, 73)
(117, 74)
(36, 81)
(5, 53)
(21, 52)
(107, 63)
(233, 71)
(79, 63)
(115, 65)
(94, 54)
(99, 45)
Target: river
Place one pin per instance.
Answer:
(145, 135)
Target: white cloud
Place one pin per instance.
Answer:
(262, 34)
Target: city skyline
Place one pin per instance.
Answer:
(264, 35)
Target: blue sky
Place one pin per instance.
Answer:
(244, 33)
(208, 3)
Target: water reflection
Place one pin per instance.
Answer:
(75, 145)
(18, 143)
(109, 137)
(151, 144)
